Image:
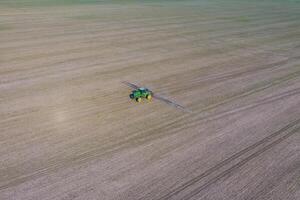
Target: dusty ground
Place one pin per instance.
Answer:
(69, 131)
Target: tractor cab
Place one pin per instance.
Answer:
(143, 90)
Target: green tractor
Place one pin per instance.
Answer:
(140, 93)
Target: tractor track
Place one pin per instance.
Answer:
(200, 116)
(74, 35)
(141, 138)
(261, 146)
(95, 65)
(68, 125)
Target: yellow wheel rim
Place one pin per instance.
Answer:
(139, 100)
(149, 97)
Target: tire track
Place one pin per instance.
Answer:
(154, 22)
(86, 57)
(194, 83)
(241, 163)
(139, 139)
(181, 121)
(237, 155)
(92, 35)
(92, 56)
(267, 100)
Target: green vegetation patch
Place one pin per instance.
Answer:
(30, 3)
(17, 3)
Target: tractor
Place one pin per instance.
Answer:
(140, 93)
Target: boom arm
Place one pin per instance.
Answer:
(159, 97)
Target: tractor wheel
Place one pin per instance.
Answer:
(138, 99)
(131, 96)
(149, 97)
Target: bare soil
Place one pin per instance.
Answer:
(68, 129)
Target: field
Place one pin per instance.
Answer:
(68, 129)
